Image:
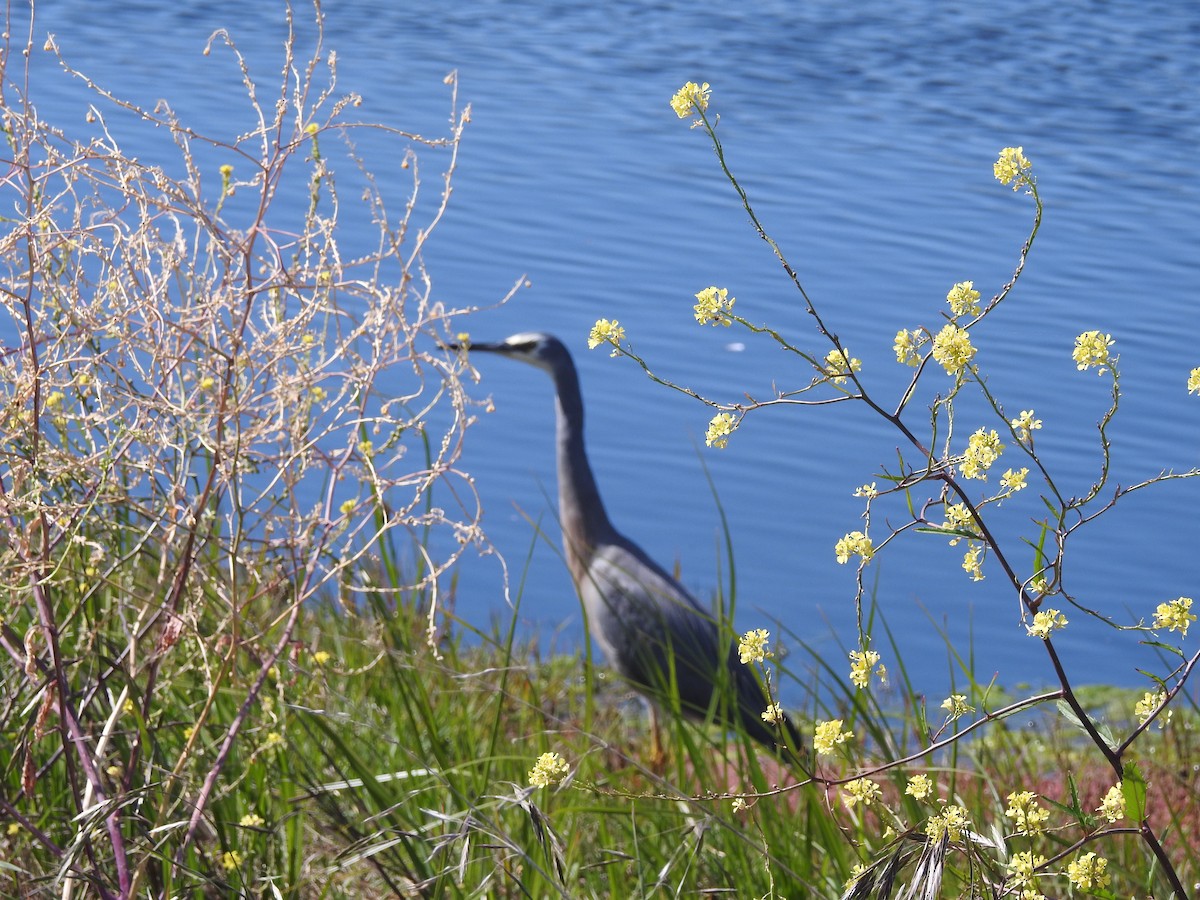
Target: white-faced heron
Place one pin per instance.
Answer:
(652, 630)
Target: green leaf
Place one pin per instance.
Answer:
(1065, 710)
(1133, 787)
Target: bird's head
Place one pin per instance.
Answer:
(534, 347)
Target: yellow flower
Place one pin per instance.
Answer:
(1014, 481)
(828, 735)
(713, 306)
(321, 657)
(867, 490)
(274, 739)
(606, 332)
(719, 429)
(251, 820)
(951, 822)
(1022, 866)
(952, 348)
(1024, 424)
(347, 507)
(753, 646)
(1046, 621)
(973, 561)
(861, 664)
(854, 544)
(1175, 615)
(1151, 701)
(1089, 871)
(1091, 349)
(983, 449)
(1027, 815)
(960, 518)
(549, 769)
(772, 714)
(860, 790)
(1012, 167)
(963, 299)
(1193, 384)
(739, 803)
(956, 706)
(907, 347)
(919, 786)
(856, 872)
(1112, 807)
(839, 364)
(231, 860)
(226, 172)
(691, 98)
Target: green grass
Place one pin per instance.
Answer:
(389, 769)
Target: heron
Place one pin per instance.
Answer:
(652, 631)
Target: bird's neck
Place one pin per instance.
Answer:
(584, 522)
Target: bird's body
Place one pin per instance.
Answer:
(651, 629)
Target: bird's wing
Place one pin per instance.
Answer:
(655, 633)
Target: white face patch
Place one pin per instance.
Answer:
(525, 337)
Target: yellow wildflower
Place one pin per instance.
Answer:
(1046, 621)
(549, 769)
(753, 646)
(1175, 615)
(719, 429)
(1091, 349)
(854, 544)
(1012, 167)
(691, 98)
(952, 348)
(828, 735)
(963, 299)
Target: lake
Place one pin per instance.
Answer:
(865, 135)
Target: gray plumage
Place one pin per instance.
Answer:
(652, 631)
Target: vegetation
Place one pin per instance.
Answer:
(228, 669)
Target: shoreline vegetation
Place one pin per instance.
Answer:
(230, 660)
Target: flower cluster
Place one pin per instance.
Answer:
(606, 332)
(719, 429)
(1014, 481)
(1175, 615)
(1012, 167)
(866, 490)
(983, 449)
(854, 544)
(773, 713)
(691, 98)
(753, 646)
(861, 664)
(1046, 621)
(1193, 384)
(1025, 424)
(963, 299)
(973, 561)
(1112, 807)
(952, 348)
(956, 706)
(828, 735)
(907, 347)
(959, 518)
(861, 790)
(714, 306)
(1091, 349)
(839, 364)
(1088, 872)
(1027, 814)
(919, 787)
(950, 823)
(549, 769)
(1022, 865)
(1151, 701)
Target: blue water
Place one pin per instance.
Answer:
(864, 134)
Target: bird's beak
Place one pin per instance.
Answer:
(486, 347)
